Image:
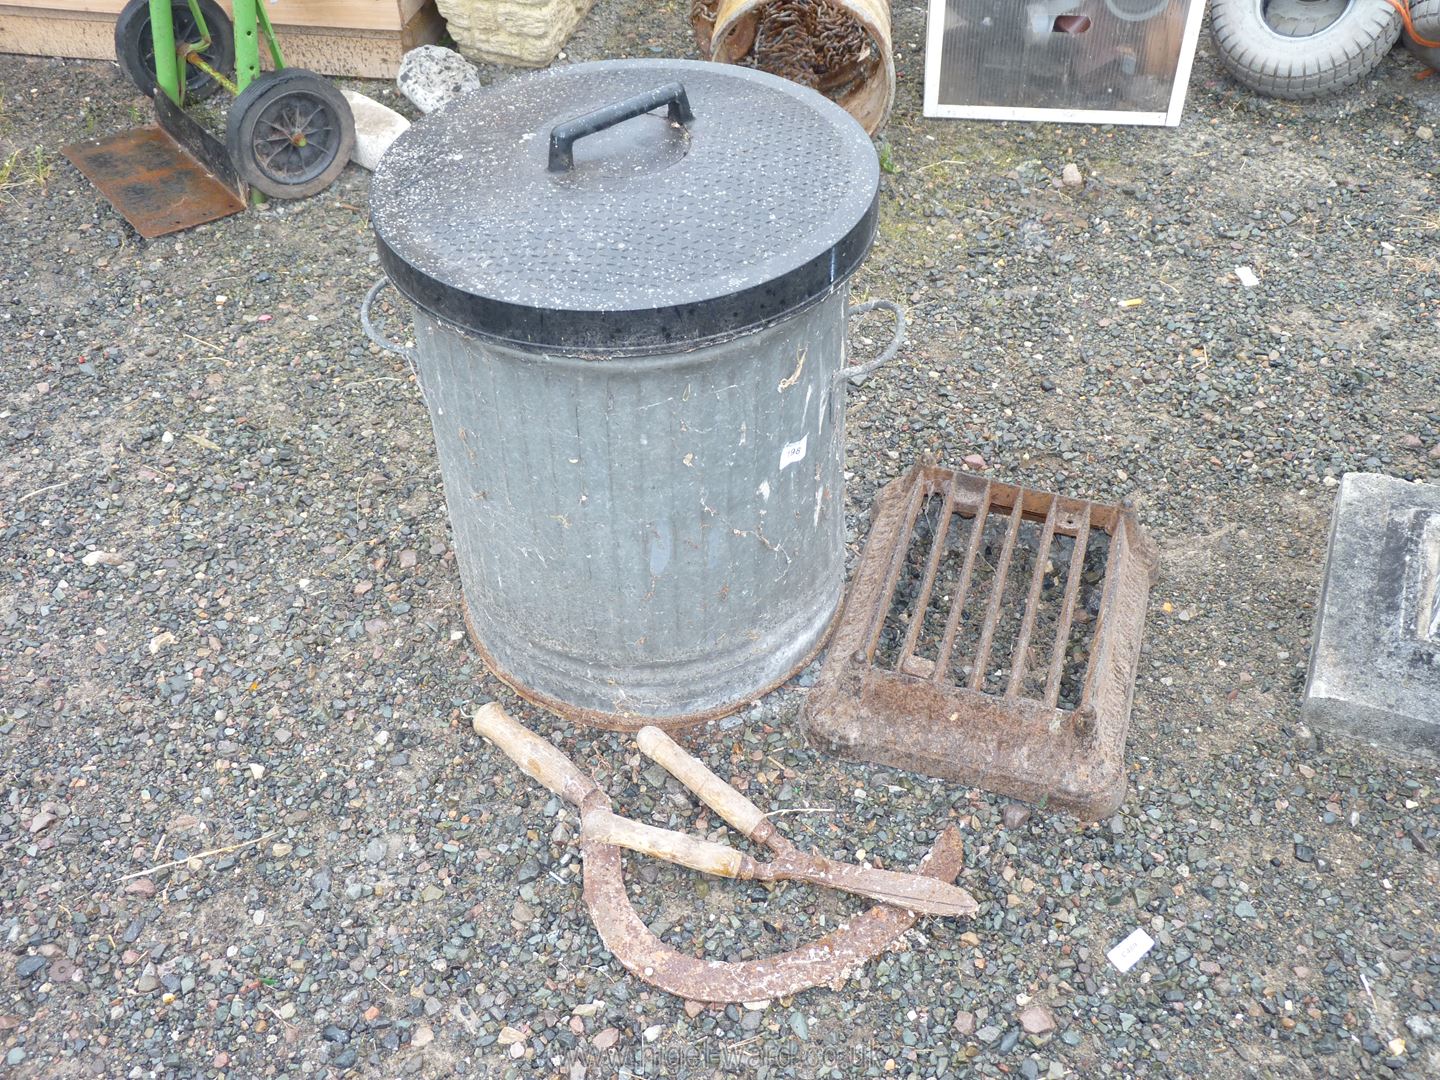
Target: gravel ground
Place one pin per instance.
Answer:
(272, 663)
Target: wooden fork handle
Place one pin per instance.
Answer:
(738, 811)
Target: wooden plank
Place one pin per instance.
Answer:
(426, 26)
(364, 54)
(347, 14)
(58, 34)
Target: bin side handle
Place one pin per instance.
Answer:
(857, 373)
(375, 335)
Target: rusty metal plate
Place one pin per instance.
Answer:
(991, 637)
(163, 178)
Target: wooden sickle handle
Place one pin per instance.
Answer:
(703, 855)
(538, 758)
(715, 793)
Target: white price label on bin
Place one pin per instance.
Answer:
(793, 452)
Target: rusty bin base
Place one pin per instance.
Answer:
(619, 721)
(165, 177)
(990, 637)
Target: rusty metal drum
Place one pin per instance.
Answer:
(630, 286)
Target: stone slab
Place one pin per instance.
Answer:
(528, 33)
(1375, 661)
(376, 127)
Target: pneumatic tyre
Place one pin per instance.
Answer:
(1301, 18)
(1136, 10)
(1300, 68)
(1425, 17)
(1426, 54)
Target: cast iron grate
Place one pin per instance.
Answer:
(991, 636)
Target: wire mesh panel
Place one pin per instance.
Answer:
(1120, 61)
(991, 636)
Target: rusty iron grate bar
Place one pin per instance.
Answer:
(991, 637)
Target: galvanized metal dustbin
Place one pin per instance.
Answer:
(630, 284)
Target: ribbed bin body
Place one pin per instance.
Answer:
(645, 538)
(629, 281)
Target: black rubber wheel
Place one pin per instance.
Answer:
(1301, 18)
(290, 133)
(1299, 68)
(135, 48)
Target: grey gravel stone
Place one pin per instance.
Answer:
(1015, 815)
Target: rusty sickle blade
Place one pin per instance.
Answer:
(909, 891)
(826, 961)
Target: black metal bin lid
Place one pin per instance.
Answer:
(740, 198)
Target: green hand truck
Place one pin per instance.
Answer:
(288, 132)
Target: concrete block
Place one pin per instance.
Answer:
(431, 75)
(376, 127)
(1375, 660)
